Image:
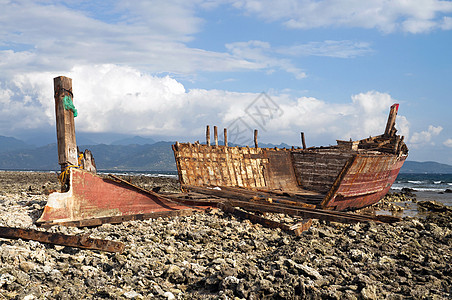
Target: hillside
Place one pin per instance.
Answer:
(428, 167)
(157, 156)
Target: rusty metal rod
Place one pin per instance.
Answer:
(83, 242)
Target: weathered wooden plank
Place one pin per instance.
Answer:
(67, 146)
(83, 242)
(295, 229)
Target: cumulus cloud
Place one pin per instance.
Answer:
(387, 16)
(112, 98)
(448, 143)
(425, 136)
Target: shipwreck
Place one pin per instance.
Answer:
(348, 176)
(307, 183)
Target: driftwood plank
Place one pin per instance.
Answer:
(83, 242)
(296, 229)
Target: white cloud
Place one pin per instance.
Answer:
(448, 143)
(262, 55)
(111, 98)
(447, 23)
(413, 16)
(329, 48)
(425, 136)
(148, 35)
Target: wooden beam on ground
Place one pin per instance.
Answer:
(295, 229)
(82, 242)
(309, 213)
(121, 219)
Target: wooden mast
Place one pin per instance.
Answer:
(67, 146)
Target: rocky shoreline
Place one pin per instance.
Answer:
(217, 256)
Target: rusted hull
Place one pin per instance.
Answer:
(351, 175)
(92, 197)
(365, 181)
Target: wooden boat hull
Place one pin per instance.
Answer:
(92, 198)
(364, 181)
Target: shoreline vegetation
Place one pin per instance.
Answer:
(217, 256)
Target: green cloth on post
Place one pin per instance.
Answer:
(69, 105)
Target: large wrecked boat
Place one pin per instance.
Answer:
(348, 176)
(305, 183)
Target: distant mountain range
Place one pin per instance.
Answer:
(428, 167)
(133, 154)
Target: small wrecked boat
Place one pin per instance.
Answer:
(87, 199)
(348, 176)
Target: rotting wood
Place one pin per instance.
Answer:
(225, 135)
(93, 197)
(255, 139)
(303, 142)
(86, 161)
(295, 229)
(83, 242)
(119, 179)
(122, 218)
(318, 169)
(390, 129)
(326, 215)
(67, 146)
(215, 135)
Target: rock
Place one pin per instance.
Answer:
(174, 274)
(132, 295)
(216, 256)
(169, 296)
(434, 206)
(369, 292)
(27, 266)
(304, 269)
(230, 282)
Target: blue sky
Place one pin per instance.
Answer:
(165, 69)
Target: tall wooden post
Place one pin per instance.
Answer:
(225, 132)
(67, 146)
(303, 142)
(208, 135)
(215, 135)
(255, 138)
(391, 120)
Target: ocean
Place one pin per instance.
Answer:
(424, 182)
(426, 187)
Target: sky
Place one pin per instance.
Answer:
(167, 68)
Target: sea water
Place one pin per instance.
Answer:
(426, 187)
